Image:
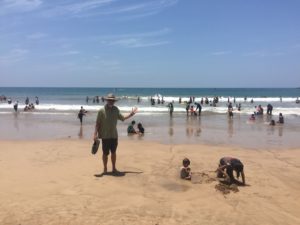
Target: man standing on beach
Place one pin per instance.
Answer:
(106, 129)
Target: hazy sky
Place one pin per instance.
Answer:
(150, 43)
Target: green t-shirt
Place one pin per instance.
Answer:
(107, 119)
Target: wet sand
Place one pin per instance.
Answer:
(214, 129)
(60, 182)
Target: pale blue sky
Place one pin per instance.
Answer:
(150, 43)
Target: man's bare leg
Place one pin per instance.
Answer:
(113, 161)
(104, 159)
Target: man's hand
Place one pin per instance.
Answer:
(95, 136)
(134, 111)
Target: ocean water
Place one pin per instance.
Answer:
(56, 115)
(56, 100)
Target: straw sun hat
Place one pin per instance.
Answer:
(110, 97)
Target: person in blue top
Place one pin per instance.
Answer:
(130, 128)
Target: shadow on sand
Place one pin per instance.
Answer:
(117, 173)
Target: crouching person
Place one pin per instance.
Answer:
(227, 166)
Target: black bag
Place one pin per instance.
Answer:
(95, 146)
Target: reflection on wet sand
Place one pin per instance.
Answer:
(171, 124)
(16, 121)
(230, 127)
(80, 133)
(193, 126)
(280, 131)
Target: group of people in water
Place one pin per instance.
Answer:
(28, 106)
(259, 111)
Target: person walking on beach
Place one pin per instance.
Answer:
(16, 106)
(106, 129)
(171, 108)
(81, 113)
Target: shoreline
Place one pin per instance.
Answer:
(207, 129)
(54, 182)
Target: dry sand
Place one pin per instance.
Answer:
(54, 182)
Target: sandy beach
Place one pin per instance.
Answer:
(58, 182)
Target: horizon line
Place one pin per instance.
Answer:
(144, 87)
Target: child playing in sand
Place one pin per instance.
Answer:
(185, 171)
(229, 164)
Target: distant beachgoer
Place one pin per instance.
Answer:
(193, 111)
(230, 110)
(87, 99)
(252, 100)
(179, 100)
(106, 129)
(202, 101)
(297, 101)
(252, 117)
(229, 164)
(152, 101)
(281, 119)
(187, 108)
(37, 101)
(16, 106)
(27, 101)
(130, 128)
(280, 99)
(9, 101)
(259, 110)
(206, 101)
(82, 112)
(171, 108)
(138, 99)
(199, 108)
(272, 123)
(185, 170)
(269, 109)
(141, 128)
(239, 106)
(245, 98)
